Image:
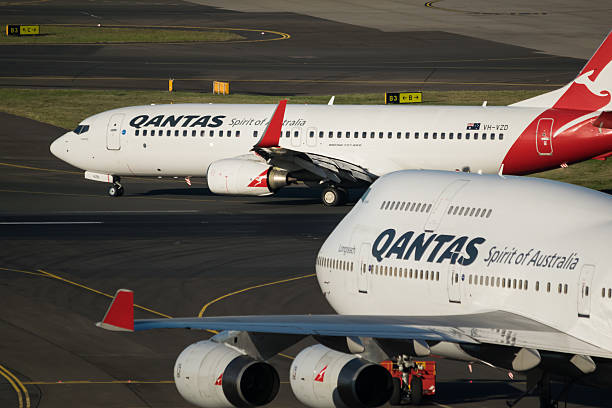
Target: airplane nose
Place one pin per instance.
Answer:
(59, 147)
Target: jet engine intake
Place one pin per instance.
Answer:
(321, 377)
(214, 375)
(246, 176)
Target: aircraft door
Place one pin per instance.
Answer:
(113, 132)
(584, 290)
(363, 274)
(311, 136)
(454, 281)
(441, 205)
(544, 137)
(296, 137)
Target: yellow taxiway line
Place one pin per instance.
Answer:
(18, 386)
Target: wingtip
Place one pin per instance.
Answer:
(120, 313)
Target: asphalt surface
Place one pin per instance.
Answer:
(321, 56)
(65, 247)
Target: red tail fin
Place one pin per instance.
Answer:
(591, 90)
(271, 136)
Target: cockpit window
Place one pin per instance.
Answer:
(81, 129)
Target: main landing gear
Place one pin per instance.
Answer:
(543, 390)
(116, 189)
(333, 196)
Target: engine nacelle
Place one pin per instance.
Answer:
(321, 377)
(246, 176)
(213, 375)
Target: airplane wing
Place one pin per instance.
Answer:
(318, 167)
(306, 166)
(495, 327)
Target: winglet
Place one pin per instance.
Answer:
(272, 134)
(120, 314)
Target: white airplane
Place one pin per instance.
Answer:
(243, 150)
(507, 271)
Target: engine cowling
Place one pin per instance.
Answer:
(321, 377)
(213, 375)
(244, 176)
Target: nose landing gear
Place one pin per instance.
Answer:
(116, 189)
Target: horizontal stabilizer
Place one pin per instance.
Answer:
(120, 314)
(604, 120)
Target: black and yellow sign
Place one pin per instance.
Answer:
(22, 30)
(403, 97)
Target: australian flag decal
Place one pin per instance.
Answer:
(473, 126)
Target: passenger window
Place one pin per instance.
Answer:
(330, 134)
(176, 133)
(311, 134)
(212, 133)
(382, 205)
(489, 213)
(184, 133)
(399, 135)
(492, 136)
(548, 287)
(347, 134)
(450, 209)
(455, 211)
(407, 135)
(153, 132)
(287, 133)
(237, 133)
(220, 133)
(425, 135)
(193, 133)
(254, 133)
(144, 132)
(320, 134)
(467, 136)
(442, 135)
(482, 214)
(416, 135)
(168, 132)
(437, 276)
(501, 136)
(229, 133)
(459, 136)
(434, 135)
(372, 135)
(412, 206)
(407, 205)
(428, 207)
(137, 132)
(202, 133)
(461, 210)
(296, 133)
(338, 135)
(450, 136)
(380, 135)
(475, 136)
(356, 135)
(472, 212)
(402, 206)
(364, 135)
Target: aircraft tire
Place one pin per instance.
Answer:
(115, 191)
(331, 197)
(396, 396)
(416, 391)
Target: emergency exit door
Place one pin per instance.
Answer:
(113, 132)
(454, 283)
(363, 275)
(544, 137)
(584, 290)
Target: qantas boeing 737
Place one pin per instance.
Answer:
(258, 149)
(507, 271)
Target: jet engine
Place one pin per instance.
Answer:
(214, 375)
(321, 377)
(245, 176)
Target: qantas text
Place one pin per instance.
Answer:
(432, 247)
(180, 121)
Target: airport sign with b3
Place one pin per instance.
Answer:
(19, 30)
(403, 97)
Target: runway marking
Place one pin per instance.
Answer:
(430, 4)
(291, 81)
(281, 36)
(441, 405)
(81, 382)
(19, 166)
(49, 222)
(100, 195)
(251, 288)
(19, 387)
(129, 212)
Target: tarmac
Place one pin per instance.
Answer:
(66, 247)
(318, 56)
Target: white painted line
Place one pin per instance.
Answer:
(128, 212)
(48, 222)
